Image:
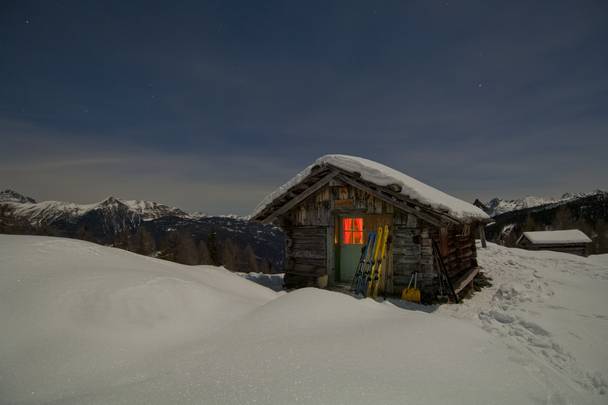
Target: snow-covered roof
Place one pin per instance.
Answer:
(383, 176)
(569, 236)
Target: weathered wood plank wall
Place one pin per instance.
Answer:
(311, 237)
(412, 252)
(312, 223)
(305, 255)
(576, 249)
(319, 207)
(458, 251)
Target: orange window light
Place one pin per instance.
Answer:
(352, 231)
(348, 238)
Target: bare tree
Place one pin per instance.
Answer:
(563, 219)
(204, 256)
(186, 251)
(229, 255)
(251, 259)
(146, 242)
(214, 253)
(265, 266)
(530, 224)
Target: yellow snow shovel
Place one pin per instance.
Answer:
(409, 293)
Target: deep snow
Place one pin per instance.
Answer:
(551, 310)
(84, 323)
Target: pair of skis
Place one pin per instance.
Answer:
(368, 275)
(367, 252)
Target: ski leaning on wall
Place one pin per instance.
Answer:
(378, 276)
(369, 264)
(359, 277)
(370, 277)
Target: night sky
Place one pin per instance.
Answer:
(210, 105)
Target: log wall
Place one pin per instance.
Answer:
(575, 249)
(457, 247)
(305, 255)
(412, 252)
(311, 231)
(335, 198)
(311, 234)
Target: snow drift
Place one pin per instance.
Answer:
(78, 317)
(84, 323)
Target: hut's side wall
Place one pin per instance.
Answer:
(457, 248)
(413, 252)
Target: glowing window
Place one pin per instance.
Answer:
(352, 231)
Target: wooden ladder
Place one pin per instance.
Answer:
(443, 271)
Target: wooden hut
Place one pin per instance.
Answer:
(328, 209)
(567, 241)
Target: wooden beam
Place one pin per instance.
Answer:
(465, 280)
(392, 201)
(443, 270)
(300, 197)
(482, 236)
(329, 248)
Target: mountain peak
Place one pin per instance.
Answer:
(9, 195)
(111, 200)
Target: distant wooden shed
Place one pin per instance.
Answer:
(567, 241)
(328, 209)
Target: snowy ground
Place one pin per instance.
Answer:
(551, 310)
(82, 323)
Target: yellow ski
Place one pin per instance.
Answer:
(385, 243)
(370, 276)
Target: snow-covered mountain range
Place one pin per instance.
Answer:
(149, 228)
(46, 211)
(498, 206)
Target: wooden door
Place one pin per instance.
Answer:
(351, 239)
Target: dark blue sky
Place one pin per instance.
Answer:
(210, 105)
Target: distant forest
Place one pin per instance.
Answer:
(180, 246)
